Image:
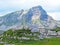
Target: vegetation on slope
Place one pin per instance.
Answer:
(15, 36)
(50, 41)
(56, 29)
(26, 37)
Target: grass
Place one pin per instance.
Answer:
(50, 41)
(1, 44)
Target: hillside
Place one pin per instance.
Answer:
(34, 18)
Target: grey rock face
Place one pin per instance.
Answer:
(34, 18)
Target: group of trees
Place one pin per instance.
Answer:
(56, 29)
(20, 33)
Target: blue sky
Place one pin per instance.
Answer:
(51, 6)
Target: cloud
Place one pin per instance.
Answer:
(55, 15)
(29, 3)
(14, 5)
(4, 13)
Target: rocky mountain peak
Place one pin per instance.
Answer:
(34, 17)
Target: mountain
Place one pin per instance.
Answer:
(58, 23)
(1, 31)
(34, 18)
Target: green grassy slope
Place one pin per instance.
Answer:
(51, 41)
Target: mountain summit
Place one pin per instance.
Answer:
(34, 18)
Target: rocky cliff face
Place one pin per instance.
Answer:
(34, 18)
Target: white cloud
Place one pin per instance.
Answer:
(28, 3)
(55, 15)
(53, 2)
(48, 5)
(2, 14)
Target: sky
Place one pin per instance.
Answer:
(52, 7)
